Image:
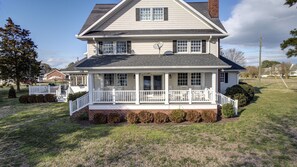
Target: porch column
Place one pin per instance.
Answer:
(75, 80)
(87, 83)
(166, 88)
(137, 88)
(90, 87)
(214, 86)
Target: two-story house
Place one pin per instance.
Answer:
(155, 55)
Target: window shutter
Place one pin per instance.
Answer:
(203, 46)
(100, 47)
(137, 14)
(174, 46)
(165, 14)
(226, 77)
(129, 48)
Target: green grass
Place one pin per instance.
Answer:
(265, 134)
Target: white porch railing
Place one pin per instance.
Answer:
(152, 96)
(222, 99)
(36, 90)
(78, 104)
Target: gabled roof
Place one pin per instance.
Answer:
(153, 61)
(234, 66)
(73, 67)
(53, 72)
(101, 10)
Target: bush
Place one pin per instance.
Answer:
(193, 116)
(24, 99)
(177, 116)
(11, 92)
(40, 99)
(209, 116)
(230, 92)
(49, 98)
(250, 90)
(227, 110)
(83, 116)
(76, 95)
(32, 99)
(100, 118)
(242, 99)
(160, 118)
(132, 118)
(146, 117)
(113, 118)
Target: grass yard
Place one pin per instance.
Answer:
(265, 134)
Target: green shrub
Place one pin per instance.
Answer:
(83, 116)
(23, 99)
(49, 98)
(100, 118)
(11, 92)
(250, 90)
(32, 99)
(242, 99)
(227, 110)
(230, 92)
(160, 118)
(40, 99)
(74, 96)
(177, 116)
(145, 117)
(132, 118)
(208, 116)
(113, 118)
(193, 116)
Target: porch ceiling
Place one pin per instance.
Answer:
(153, 62)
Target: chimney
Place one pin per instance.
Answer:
(213, 8)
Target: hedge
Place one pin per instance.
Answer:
(160, 118)
(132, 118)
(244, 93)
(146, 117)
(177, 116)
(193, 116)
(48, 98)
(113, 118)
(209, 116)
(227, 111)
(11, 92)
(100, 118)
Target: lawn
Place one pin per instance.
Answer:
(265, 134)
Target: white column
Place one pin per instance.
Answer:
(214, 86)
(137, 88)
(90, 87)
(87, 78)
(190, 95)
(166, 88)
(75, 80)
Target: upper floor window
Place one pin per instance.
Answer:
(196, 46)
(114, 47)
(158, 14)
(182, 46)
(152, 14)
(185, 46)
(145, 14)
(108, 47)
(121, 47)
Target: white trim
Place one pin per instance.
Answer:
(157, 35)
(154, 67)
(152, 106)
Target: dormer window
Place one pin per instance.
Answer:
(114, 47)
(158, 14)
(108, 47)
(186, 46)
(145, 14)
(151, 14)
(121, 47)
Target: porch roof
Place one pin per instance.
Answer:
(153, 61)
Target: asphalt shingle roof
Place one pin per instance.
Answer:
(234, 66)
(152, 61)
(73, 67)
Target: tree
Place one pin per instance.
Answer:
(291, 2)
(70, 64)
(46, 68)
(268, 63)
(291, 44)
(17, 54)
(235, 56)
(252, 71)
(285, 69)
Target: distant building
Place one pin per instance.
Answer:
(54, 76)
(293, 70)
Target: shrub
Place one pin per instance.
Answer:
(24, 99)
(132, 118)
(74, 96)
(242, 99)
(235, 90)
(160, 118)
(100, 118)
(32, 99)
(209, 116)
(227, 110)
(83, 116)
(177, 116)
(40, 99)
(146, 117)
(193, 116)
(49, 98)
(113, 118)
(250, 90)
(11, 92)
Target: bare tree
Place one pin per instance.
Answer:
(235, 56)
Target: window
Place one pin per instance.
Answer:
(145, 14)
(222, 77)
(122, 47)
(122, 79)
(108, 47)
(158, 14)
(196, 79)
(182, 46)
(182, 79)
(196, 46)
(108, 79)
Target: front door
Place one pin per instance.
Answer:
(157, 82)
(147, 83)
(152, 82)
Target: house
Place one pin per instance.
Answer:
(293, 70)
(155, 55)
(54, 76)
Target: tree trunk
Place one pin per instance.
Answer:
(18, 85)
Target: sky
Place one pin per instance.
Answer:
(54, 24)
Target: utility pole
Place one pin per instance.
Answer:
(260, 59)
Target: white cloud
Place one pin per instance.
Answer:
(252, 18)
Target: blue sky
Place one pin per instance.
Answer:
(54, 24)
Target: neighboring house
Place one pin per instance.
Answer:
(293, 70)
(54, 76)
(155, 55)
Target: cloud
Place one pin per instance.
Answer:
(251, 18)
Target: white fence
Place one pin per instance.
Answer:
(222, 99)
(37, 90)
(78, 104)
